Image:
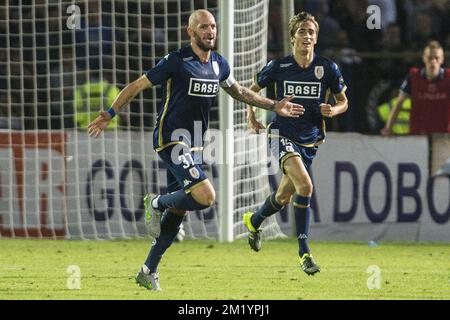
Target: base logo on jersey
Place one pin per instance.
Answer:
(194, 173)
(318, 72)
(203, 87)
(306, 90)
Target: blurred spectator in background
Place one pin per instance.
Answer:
(405, 19)
(429, 89)
(329, 27)
(432, 21)
(94, 38)
(62, 92)
(392, 61)
(425, 29)
(401, 124)
(388, 73)
(388, 10)
(353, 71)
(91, 97)
(447, 41)
(352, 17)
(440, 11)
(275, 31)
(391, 40)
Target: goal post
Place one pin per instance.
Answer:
(226, 181)
(251, 157)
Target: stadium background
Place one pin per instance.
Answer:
(367, 187)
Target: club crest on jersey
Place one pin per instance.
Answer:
(318, 72)
(216, 69)
(305, 90)
(194, 173)
(203, 87)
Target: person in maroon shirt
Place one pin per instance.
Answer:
(429, 89)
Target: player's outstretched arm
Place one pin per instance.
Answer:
(284, 108)
(123, 98)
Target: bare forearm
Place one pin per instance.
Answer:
(394, 112)
(340, 107)
(393, 117)
(124, 97)
(250, 109)
(250, 112)
(129, 92)
(250, 97)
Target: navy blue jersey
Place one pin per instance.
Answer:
(189, 89)
(310, 87)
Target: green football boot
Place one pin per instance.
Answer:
(254, 236)
(152, 216)
(308, 264)
(148, 281)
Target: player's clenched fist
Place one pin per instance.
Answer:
(99, 124)
(327, 110)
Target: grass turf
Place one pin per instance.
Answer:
(207, 270)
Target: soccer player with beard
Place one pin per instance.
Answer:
(309, 78)
(189, 79)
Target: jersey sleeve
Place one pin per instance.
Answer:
(337, 84)
(226, 78)
(265, 76)
(405, 87)
(164, 70)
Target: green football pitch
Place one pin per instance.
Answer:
(208, 270)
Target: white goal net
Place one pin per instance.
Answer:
(61, 62)
(250, 161)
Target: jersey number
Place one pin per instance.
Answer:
(187, 160)
(287, 145)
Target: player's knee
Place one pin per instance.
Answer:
(210, 198)
(283, 199)
(205, 196)
(305, 188)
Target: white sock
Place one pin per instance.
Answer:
(155, 202)
(145, 269)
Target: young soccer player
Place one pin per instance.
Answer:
(190, 79)
(309, 78)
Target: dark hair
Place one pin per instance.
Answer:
(299, 18)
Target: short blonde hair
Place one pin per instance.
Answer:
(299, 18)
(433, 45)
